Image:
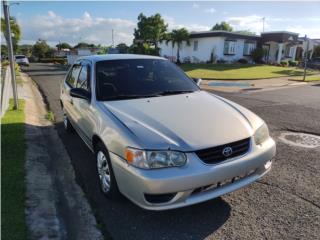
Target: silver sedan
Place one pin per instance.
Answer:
(158, 139)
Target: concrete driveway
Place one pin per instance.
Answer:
(282, 205)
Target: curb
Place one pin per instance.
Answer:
(56, 207)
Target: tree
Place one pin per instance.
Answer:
(85, 45)
(248, 32)
(222, 26)
(63, 45)
(122, 47)
(151, 30)
(178, 36)
(25, 49)
(40, 49)
(258, 54)
(15, 30)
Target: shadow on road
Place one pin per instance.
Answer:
(124, 220)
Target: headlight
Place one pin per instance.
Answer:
(261, 134)
(154, 159)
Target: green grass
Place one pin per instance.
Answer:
(50, 116)
(13, 146)
(308, 78)
(240, 71)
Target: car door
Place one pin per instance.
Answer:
(69, 83)
(83, 108)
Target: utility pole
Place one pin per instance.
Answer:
(10, 53)
(305, 58)
(263, 19)
(112, 39)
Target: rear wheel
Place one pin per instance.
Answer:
(108, 183)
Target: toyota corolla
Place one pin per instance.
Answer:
(159, 139)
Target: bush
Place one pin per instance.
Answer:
(243, 61)
(284, 63)
(62, 61)
(257, 55)
(293, 63)
(221, 61)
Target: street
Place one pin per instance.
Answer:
(282, 205)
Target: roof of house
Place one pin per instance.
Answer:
(223, 34)
(279, 36)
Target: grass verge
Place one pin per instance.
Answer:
(13, 146)
(240, 71)
(308, 78)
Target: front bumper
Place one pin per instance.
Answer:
(196, 181)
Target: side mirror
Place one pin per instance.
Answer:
(197, 81)
(80, 93)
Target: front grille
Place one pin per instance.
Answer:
(214, 155)
(159, 198)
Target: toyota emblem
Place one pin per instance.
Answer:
(227, 151)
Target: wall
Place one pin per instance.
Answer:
(205, 47)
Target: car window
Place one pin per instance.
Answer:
(73, 75)
(84, 80)
(139, 77)
(20, 57)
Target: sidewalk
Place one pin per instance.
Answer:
(56, 207)
(249, 85)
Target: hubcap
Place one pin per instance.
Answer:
(103, 171)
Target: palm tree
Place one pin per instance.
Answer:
(178, 36)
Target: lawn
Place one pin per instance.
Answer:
(308, 78)
(240, 71)
(13, 146)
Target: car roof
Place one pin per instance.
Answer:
(105, 57)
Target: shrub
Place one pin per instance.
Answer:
(257, 55)
(284, 63)
(293, 63)
(221, 61)
(243, 61)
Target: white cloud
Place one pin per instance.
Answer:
(195, 5)
(311, 32)
(55, 28)
(253, 23)
(191, 27)
(210, 10)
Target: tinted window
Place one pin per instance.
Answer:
(73, 75)
(139, 77)
(83, 80)
(20, 57)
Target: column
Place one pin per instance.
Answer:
(293, 58)
(280, 47)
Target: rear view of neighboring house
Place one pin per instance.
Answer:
(223, 46)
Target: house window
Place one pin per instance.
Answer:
(289, 51)
(248, 48)
(229, 47)
(195, 46)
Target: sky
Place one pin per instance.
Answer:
(93, 22)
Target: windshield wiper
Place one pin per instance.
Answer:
(172, 92)
(130, 96)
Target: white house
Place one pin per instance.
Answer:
(229, 46)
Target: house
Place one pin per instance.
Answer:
(211, 46)
(79, 52)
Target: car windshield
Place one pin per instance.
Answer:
(139, 78)
(20, 57)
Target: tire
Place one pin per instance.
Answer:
(66, 123)
(107, 180)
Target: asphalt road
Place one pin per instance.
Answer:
(285, 204)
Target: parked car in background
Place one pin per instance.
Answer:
(314, 63)
(21, 60)
(157, 137)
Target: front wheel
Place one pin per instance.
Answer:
(66, 123)
(108, 183)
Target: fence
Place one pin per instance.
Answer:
(6, 89)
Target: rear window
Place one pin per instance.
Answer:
(20, 57)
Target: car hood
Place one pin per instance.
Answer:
(184, 122)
